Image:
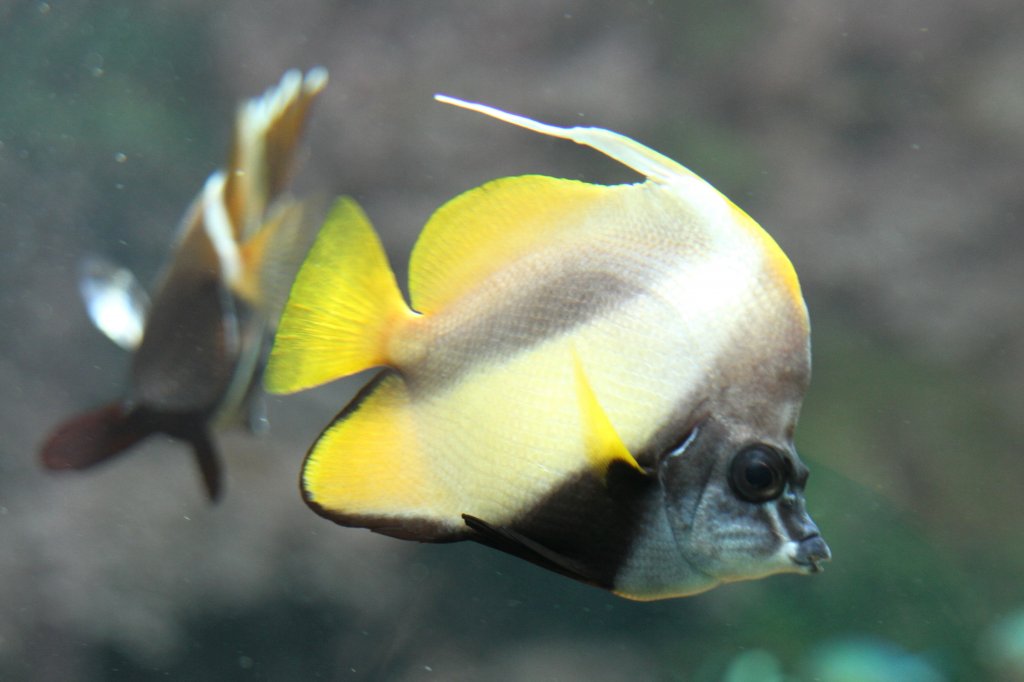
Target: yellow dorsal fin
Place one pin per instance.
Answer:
(601, 440)
(480, 231)
(342, 310)
(656, 167)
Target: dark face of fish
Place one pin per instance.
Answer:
(736, 508)
(729, 500)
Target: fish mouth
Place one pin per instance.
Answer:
(811, 552)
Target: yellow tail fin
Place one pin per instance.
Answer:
(343, 307)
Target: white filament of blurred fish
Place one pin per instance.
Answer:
(218, 227)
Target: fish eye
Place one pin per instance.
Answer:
(758, 474)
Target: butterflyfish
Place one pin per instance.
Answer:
(199, 347)
(602, 380)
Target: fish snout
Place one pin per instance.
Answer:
(811, 551)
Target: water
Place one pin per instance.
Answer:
(881, 146)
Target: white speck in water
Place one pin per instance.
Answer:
(120, 157)
(420, 572)
(915, 146)
(94, 64)
(43, 7)
(428, 668)
(244, 662)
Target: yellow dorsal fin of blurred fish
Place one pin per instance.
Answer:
(254, 231)
(344, 306)
(267, 129)
(603, 444)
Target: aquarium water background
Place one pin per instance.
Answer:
(881, 143)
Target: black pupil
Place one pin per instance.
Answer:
(759, 475)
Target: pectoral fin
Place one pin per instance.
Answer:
(602, 443)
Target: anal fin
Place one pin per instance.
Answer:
(368, 470)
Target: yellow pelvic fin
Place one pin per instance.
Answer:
(480, 231)
(601, 440)
(342, 310)
(367, 469)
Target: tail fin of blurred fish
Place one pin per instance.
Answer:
(95, 436)
(91, 437)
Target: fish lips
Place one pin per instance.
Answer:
(810, 553)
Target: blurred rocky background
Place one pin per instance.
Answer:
(881, 143)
